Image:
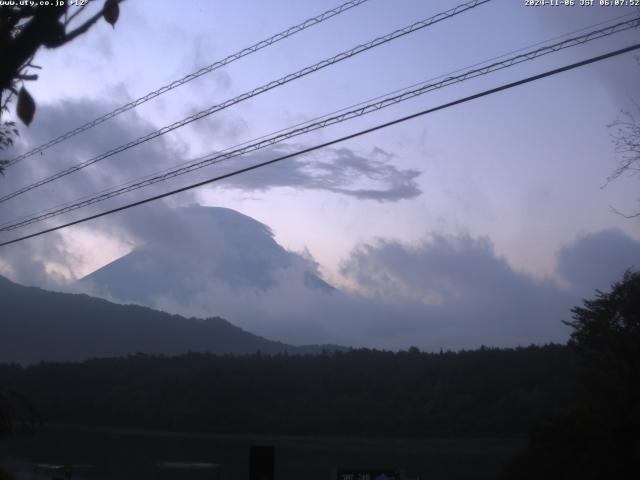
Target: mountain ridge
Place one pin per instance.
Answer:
(40, 325)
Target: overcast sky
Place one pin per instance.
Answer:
(510, 186)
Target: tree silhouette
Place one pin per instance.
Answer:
(599, 437)
(607, 338)
(24, 29)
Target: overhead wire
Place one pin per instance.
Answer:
(310, 22)
(286, 134)
(484, 93)
(257, 91)
(511, 52)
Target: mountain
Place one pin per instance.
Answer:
(39, 325)
(208, 261)
(204, 246)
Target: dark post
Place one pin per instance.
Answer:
(261, 463)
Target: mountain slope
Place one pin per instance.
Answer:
(205, 262)
(39, 325)
(191, 259)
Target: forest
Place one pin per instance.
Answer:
(487, 391)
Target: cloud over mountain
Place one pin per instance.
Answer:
(198, 260)
(446, 291)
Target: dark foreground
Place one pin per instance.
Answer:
(135, 454)
(489, 392)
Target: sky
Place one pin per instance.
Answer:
(496, 206)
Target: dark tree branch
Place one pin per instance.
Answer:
(618, 212)
(86, 25)
(83, 28)
(27, 77)
(78, 11)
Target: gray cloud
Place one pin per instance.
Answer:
(53, 119)
(464, 293)
(342, 171)
(42, 262)
(595, 260)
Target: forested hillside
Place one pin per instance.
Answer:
(40, 325)
(481, 392)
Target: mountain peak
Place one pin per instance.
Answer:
(203, 259)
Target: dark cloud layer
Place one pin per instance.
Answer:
(459, 285)
(342, 171)
(53, 120)
(594, 260)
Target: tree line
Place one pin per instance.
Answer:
(487, 391)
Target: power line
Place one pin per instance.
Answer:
(257, 91)
(335, 112)
(309, 127)
(192, 76)
(333, 142)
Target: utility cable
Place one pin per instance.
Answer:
(335, 141)
(192, 76)
(257, 91)
(342, 117)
